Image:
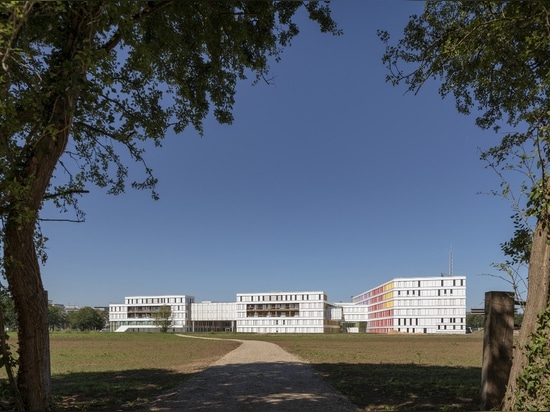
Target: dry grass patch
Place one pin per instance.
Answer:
(108, 371)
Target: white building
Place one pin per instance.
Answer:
(286, 312)
(416, 305)
(407, 305)
(138, 313)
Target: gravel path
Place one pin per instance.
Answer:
(257, 376)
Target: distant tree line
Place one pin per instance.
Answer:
(83, 319)
(476, 320)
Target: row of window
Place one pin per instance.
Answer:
(276, 298)
(278, 329)
(270, 306)
(173, 308)
(278, 322)
(433, 312)
(431, 292)
(427, 321)
(160, 300)
(427, 330)
(429, 283)
(436, 303)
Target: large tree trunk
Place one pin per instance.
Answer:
(22, 267)
(21, 263)
(31, 305)
(538, 292)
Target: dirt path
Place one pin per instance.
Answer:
(257, 376)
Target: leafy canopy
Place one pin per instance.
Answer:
(140, 70)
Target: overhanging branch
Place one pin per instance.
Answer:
(65, 193)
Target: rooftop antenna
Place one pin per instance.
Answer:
(451, 262)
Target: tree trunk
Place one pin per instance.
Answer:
(537, 300)
(31, 305)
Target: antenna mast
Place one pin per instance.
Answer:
(451, 262)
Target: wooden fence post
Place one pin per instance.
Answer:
(497, 348)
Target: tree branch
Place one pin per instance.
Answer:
(62, 220)
(64, 193)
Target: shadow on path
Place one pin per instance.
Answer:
(268, 386)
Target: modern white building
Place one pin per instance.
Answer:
(286, 312)
(416, 305)
(139, 313)
(406, 305)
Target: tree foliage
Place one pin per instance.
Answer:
(86, 84)
(87, 319)
(475, 320)
(57, 318)
(492, 58)
(163, 318)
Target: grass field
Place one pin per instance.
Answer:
(397, 371)
(108, 371)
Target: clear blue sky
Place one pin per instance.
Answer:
(329, 179)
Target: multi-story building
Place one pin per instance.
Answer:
(407, 305)
(416, 305)
(141, 313)
(285, 312)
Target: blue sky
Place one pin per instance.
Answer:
(329, 179)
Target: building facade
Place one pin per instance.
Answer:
(416, 305)
(405, 305)
(285, 312)
(141, 313)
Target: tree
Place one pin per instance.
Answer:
(493, 59)
(474, 320)
(84, 82)
(163, 318)
(57, 317)
(87, 318)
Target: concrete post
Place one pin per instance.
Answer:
(497, 348)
